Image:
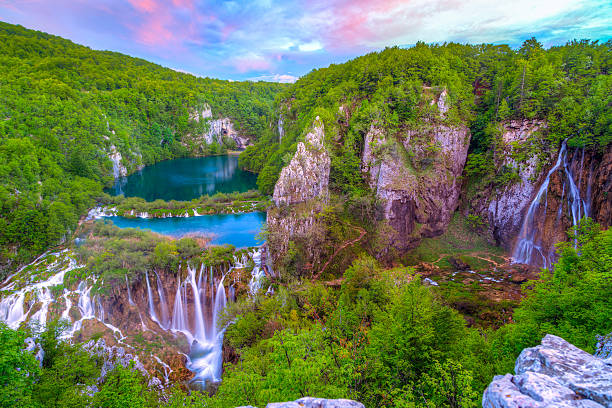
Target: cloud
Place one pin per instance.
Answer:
(251, 62)
(311, 46)
(254, 38)
(282, 78)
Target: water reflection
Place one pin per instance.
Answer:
(186, 179)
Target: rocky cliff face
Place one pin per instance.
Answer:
(217, 129)
(503, 209)
(415, 175)
(553, 190)
(299, 195)
(553, 374)
(307, 175)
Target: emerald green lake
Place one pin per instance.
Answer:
(186, 179)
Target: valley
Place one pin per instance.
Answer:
(410, 217)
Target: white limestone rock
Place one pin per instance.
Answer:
(307, 175)
(555, 373)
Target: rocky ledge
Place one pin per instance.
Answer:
(307, 175)
(553, 374)
(309, 402)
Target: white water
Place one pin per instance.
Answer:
(197, 317)
(528, 249)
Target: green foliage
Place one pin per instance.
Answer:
(125, 387)
(18, 369)
(64, 108)
(573, 302)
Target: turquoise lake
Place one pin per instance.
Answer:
(186, 179)
(239, 230)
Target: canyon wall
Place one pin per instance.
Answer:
(553, 189)
(299, 195)
(415, 174)
(217, 129)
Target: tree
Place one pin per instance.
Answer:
(18, 369)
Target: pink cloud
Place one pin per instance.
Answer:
(251, 62)
(168, 24)
(148, 6)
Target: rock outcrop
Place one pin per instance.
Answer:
(309, 402)
(307, 175)
(416, 174)
(581, 172)
(299, 194)
(503, 209)
(553, 374)
(217, 129)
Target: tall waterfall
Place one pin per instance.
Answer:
(528, 249)
(199, 299)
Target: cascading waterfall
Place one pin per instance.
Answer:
(127, 283)
(198, 302)
(257, 274)
(151, 304)
(528, 249)
(163, 304)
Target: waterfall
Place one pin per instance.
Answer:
(127, 283)
(200, 332)
(162, 301)
(256, 274)
(528, 249)
(151, 304)
(197, 319)
(179, 314)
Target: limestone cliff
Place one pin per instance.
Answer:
(553, 374)
(307, 175)
(299, 195)
(415, 174)
(216, 129)
(553, 190)
(503, 208)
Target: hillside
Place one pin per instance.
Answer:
(71, 117)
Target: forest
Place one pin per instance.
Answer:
(569, 86)
(64, 105)
(382, 338)
(367, 329)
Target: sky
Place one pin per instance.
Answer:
(283, 40)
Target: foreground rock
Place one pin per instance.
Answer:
(555, 373)
(309, 402)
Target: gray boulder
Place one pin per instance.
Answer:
(309, 402)
(555, 373)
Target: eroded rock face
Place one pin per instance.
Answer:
(555, 373)
(217, 129)
(416, 176)
(307, 175)
(299, 195)
(309, 402)
(504, 209)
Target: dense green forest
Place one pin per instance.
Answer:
(569, 86)
(62, 107)
(382, 338)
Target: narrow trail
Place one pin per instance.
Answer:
(475, 254)
(362, 233)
